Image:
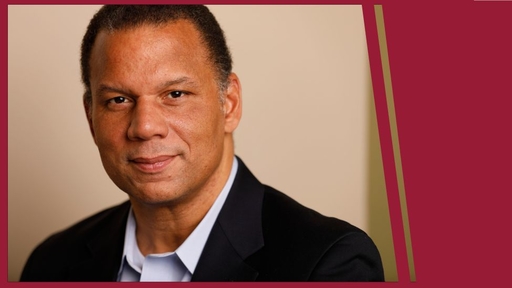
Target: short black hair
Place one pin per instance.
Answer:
(118, 17)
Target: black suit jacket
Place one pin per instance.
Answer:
(260, 235)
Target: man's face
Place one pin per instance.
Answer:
(161, 130)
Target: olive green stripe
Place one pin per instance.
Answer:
(379, 17)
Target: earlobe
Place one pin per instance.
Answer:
(232, 104)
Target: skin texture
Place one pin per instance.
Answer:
(163, 135)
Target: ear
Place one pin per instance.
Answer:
(88, 114)
(232, 104)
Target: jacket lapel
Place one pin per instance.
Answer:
(236, 234)
(105, 250)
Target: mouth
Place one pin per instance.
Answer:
(152, 164)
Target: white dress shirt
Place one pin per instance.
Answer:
(171, 266)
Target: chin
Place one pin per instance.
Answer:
(156, 197)
(151, 200)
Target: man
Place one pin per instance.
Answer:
(162, 105)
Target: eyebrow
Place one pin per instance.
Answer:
(103, 88)
(181, 80)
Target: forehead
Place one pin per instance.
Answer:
(149, 48)
(180, 33)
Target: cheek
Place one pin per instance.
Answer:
(202, 131)
(200, 121)
(109, 132)
(211, 124)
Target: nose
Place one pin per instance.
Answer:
(147, 121)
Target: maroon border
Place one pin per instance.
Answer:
(451, 69)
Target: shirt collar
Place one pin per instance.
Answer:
(190, 250)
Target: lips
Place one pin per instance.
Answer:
(152, 164)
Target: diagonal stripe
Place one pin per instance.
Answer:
(386, 146)
(381, 31)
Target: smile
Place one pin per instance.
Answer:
(153, 164)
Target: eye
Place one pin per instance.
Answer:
(176, 94)
(118, 100)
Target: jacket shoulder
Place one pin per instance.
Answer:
(63, 249)
(312, 246)
(286, 214)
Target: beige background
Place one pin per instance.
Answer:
(308, 126)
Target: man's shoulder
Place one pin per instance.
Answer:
(281, 210)
(313, 246)
(69, 246)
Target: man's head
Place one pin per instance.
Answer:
(112, 18)
(154, 110)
